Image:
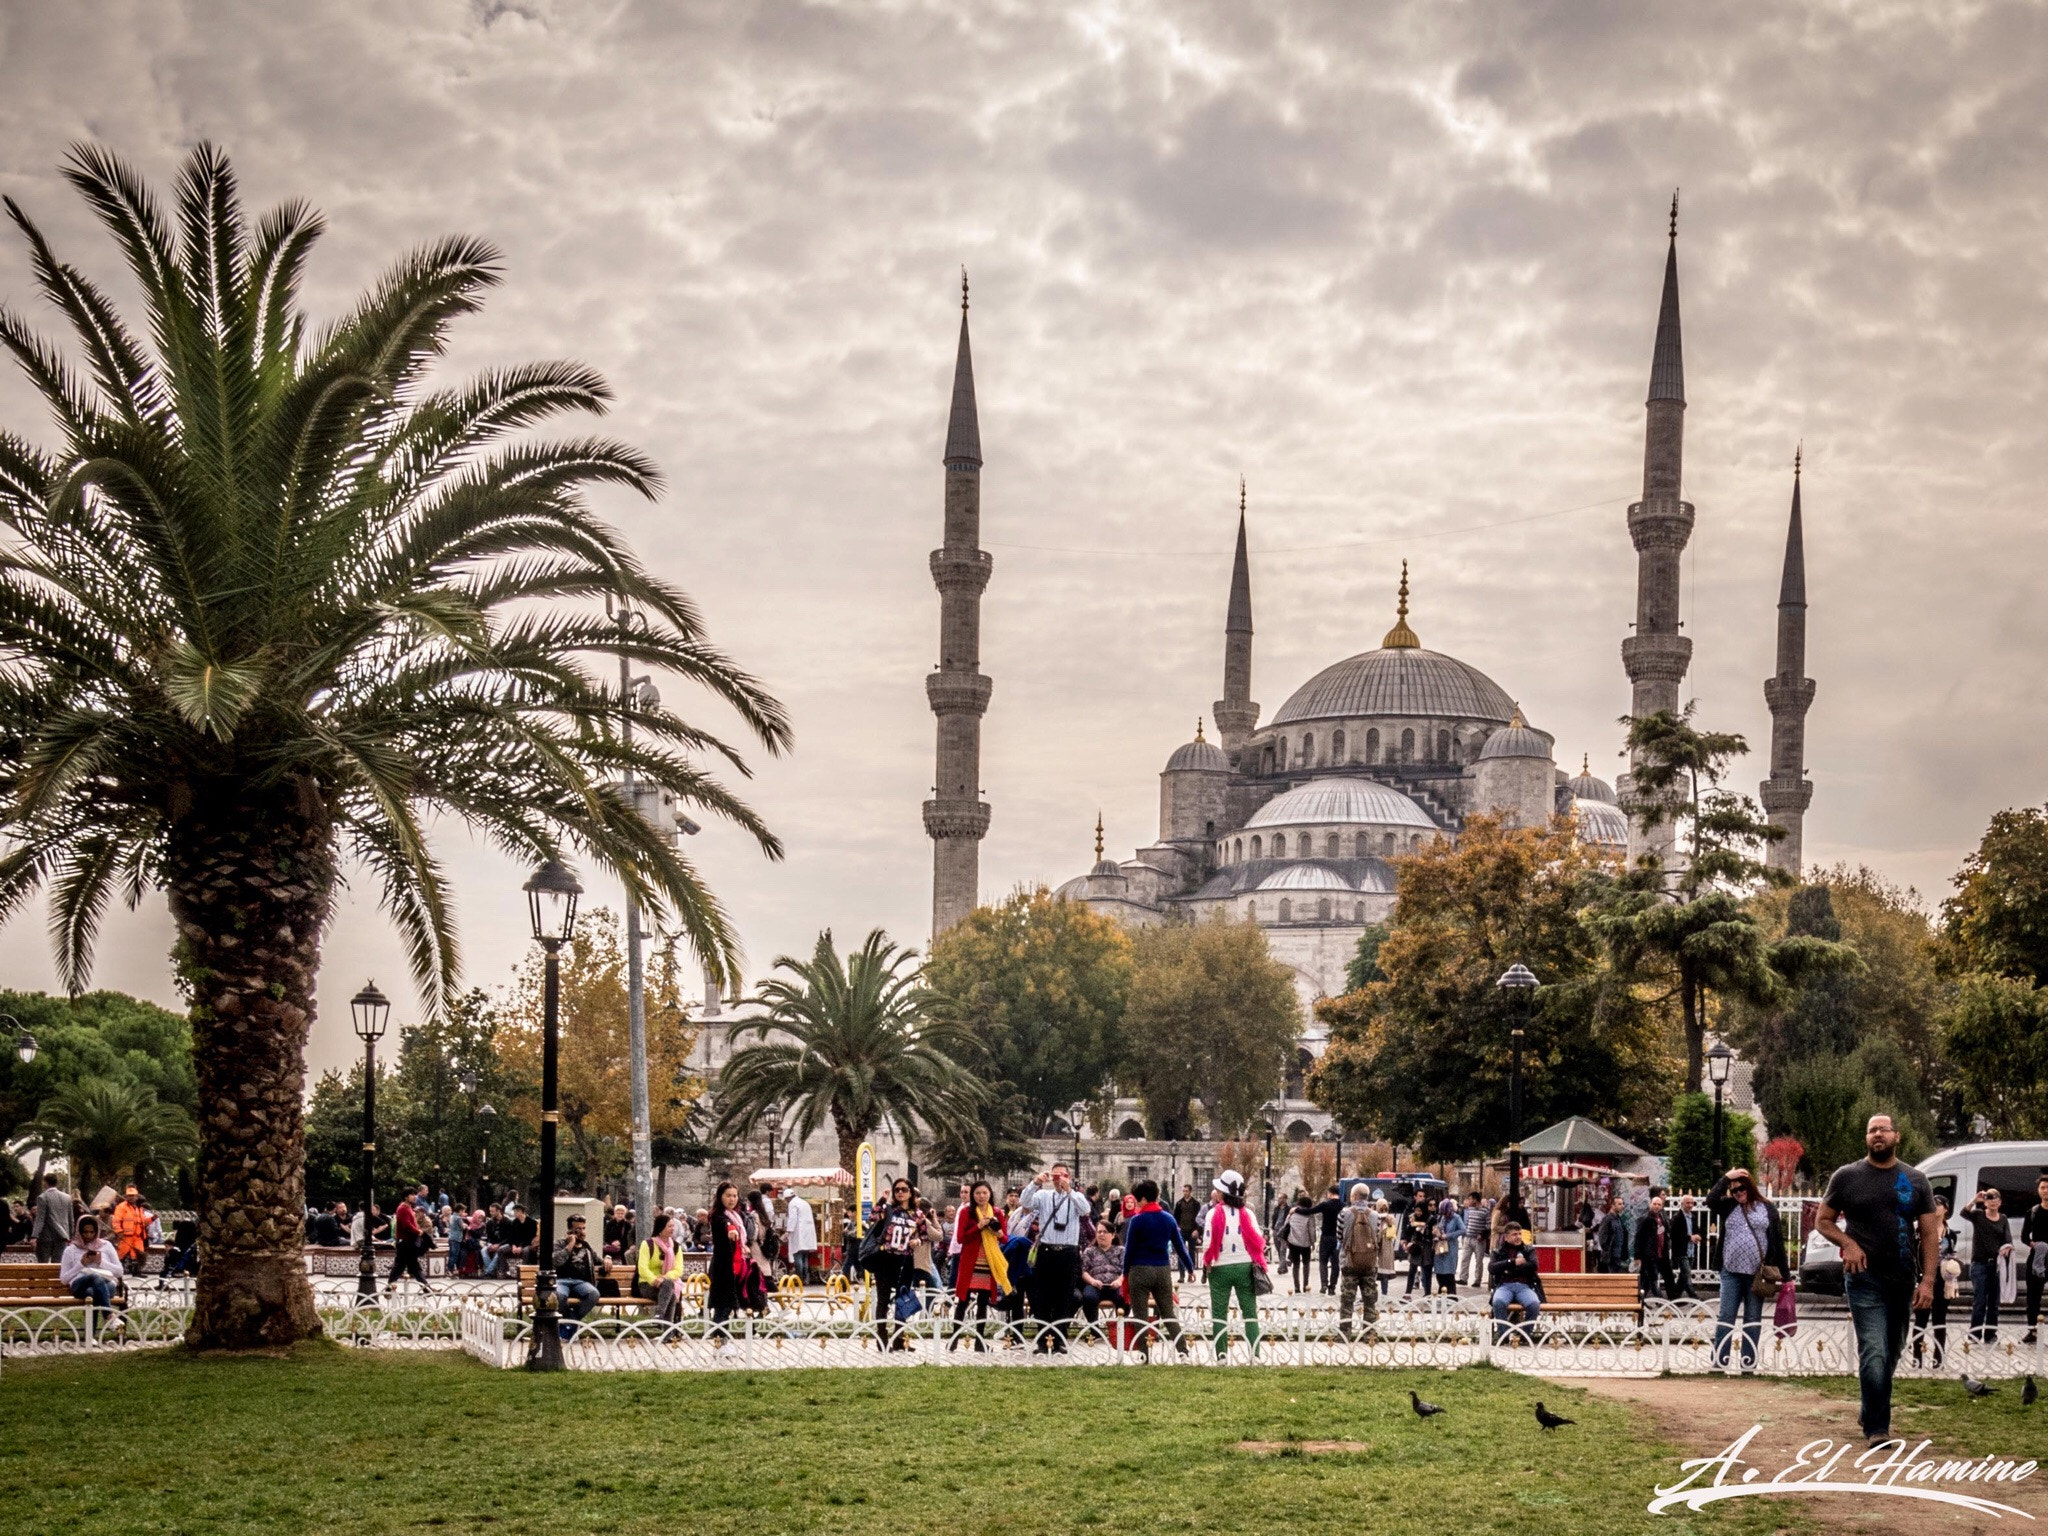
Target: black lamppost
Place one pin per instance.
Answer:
(1172, 1172)
(1520, 983)
(371, 1011)
(1719, 1060)
(773, 1115)
(24, 1042)
(1333, 1133)
(551, 901)
(1272, 1119)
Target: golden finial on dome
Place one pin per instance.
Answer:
(1401, 637)
(1198, 729)
(1098, 837)
(1585, 765)
(1518, 723)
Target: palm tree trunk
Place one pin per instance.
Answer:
(251, 882)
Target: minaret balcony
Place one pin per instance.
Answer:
(1660, 524)
(962, 570)
(956, 818)
(957, 693)
(1781, 795)
(1656, 658)
(1792, 695)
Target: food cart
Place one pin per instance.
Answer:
(827, 1190)
(1560, 1245)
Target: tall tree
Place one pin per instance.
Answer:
(272, 600)
(1695, 917)
(109, 1131)
(852, 1041)
(1421, 1057)
(1997, 921)
(1040, 983)
(1210, 1015)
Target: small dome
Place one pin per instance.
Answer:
(1107, 868)
(1601, 823)
(1323, 802)
(1198, 756)
(1518, 739)
(1585, 787)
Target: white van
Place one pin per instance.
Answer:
(1955, 1174)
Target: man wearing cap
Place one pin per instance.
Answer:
(131, 1221)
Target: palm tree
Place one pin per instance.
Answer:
(273, 602)
(855, 1041)
(109, 1130)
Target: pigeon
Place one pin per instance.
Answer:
(2028, 1393)
(1551, 1420)
(1423, 1410)
(1976, 1388)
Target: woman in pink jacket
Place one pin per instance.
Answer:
(1233, 1248)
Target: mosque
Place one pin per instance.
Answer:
(1295, 823)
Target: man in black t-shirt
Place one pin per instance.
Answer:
(1888, 1259)
(2034, 1230)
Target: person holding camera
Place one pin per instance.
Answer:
(1990, 1242)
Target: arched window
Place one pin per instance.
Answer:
(1443, 746)
(1457, 750)
(1359, 914)
(1389, 843)
(1331, 844)
(1266, 760)
(1237, 852)
(1286, 909)
(1337, 748)
(1372, 745)
(1415, 843)
(1131, 1130)
(1209, 829)
(1280, 752)
(1251, 911)
(1323, 910)
(1255, 846)
(1407, 746)
(1364, 845)
(1279, 845)
(1308, 750)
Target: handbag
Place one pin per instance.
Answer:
(1767, 1281)
(907, 1305)
(1262, 1283)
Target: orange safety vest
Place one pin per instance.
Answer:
(131, 1229)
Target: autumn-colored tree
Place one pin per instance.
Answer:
(1421, 1058)
(1210, 1015)
(1316, 1168)
(594, 1066)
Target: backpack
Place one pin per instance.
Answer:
(1362, 1240)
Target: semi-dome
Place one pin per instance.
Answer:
(1198, 756)
(1398, 681)
(1518, 740)
(1599, 822)
(1372, 878)
(1326, 802)
(1587, 788)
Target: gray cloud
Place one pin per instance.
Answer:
(1397, 263)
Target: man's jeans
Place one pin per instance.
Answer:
(1737, 1295)
(1880, 1309)
(1505, 1296)
(1984, 1301)
(577, 1297)
(1326, 1266)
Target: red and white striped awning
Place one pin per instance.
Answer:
(1561, 1173)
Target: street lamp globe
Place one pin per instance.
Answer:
(371, 1012)
(1517, 978)
(25, 1047)
(1719, 1060)
(551, 902)
(466, 1080)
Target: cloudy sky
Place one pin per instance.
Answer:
(1396, 264)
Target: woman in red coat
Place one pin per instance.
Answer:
(980, 1228)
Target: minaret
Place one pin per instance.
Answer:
(1656, 655)
(1787, 792)
(956, 818)
(1235, 714)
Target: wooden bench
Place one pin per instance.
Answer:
(33, 1285)
(624, 1302)
(1589, 1293)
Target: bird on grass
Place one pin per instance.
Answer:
(1976, 1388)
(1551, 1420)
(1423, 1410)
(2028, 1393)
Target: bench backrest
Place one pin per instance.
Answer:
(30, 1280)
(1575, 1290)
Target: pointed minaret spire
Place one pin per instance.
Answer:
(956, 817)
(1401, 637)
(1657, 655)
(1235, 714)
(1788, 792)
(1098, 837)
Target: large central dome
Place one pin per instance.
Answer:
(1397, 681)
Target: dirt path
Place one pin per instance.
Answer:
(1706, 1414)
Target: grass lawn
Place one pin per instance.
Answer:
(1943, 1412)
(362, 1441)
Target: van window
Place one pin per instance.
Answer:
(2014, 1181)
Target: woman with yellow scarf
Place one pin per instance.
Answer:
(980, 1229)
